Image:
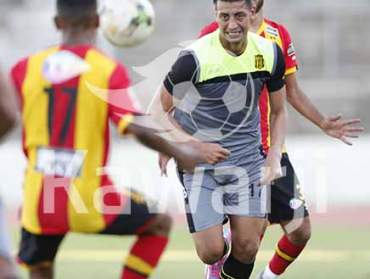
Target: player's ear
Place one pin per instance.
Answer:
(58, 22)
(97, 21)
(253, 8)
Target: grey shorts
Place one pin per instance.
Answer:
(213, 194)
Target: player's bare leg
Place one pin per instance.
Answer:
(246, 232)
(161, 226)
(301, 235)
(210, 245)
(7, 269)
(42, 271)
(213, 271)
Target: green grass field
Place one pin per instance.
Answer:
(338, 253)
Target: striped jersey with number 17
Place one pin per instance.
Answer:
(66, 137)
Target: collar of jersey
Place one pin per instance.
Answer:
(262, 28)
(226, 53)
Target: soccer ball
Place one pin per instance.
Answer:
(127, 23)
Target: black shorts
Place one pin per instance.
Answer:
(287, 201)
(42, 249)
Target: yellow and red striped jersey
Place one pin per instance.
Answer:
(279, 34)
(66, 137)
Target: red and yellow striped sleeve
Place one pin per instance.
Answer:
(289, 52)
(121, 105)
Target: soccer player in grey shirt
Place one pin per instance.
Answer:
(213, 89)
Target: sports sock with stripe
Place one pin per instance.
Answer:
(285, 254)
(144, 256)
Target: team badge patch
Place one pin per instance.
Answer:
(291, 50)
(259, 62)
(295, 203)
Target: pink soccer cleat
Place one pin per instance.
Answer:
(213, 271)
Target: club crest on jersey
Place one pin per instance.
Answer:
(259, 62)
(272, 31)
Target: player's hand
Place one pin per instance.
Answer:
(194, 153)
(272, 168)
(163, 162)
(342, 129)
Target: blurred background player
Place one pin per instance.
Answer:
(66, 141)
(252, 63)
(287, 201)
(8, 119)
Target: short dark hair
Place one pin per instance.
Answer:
(259, 6)
(248, 2)
(74, 9)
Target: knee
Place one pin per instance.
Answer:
(7, 269)
(301, 235)
(245, 249)
(42, 271)
(162, 225)
(210, 253)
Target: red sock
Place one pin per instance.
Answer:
(144, 257)
(286, 253)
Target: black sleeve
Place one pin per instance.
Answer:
(276, 81)
(184, 70)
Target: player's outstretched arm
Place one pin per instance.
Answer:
(161, 110)
(336, 127)
(8, 108)
(272, 167)
(188, 154)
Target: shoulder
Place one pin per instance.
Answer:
(202, 42)
(20, 65)
(210, 28)
(94, 55)
(278, 29)
(260, 44)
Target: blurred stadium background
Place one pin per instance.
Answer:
(332, 39)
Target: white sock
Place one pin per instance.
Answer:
(268, 274)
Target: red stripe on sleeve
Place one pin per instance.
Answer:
(119, 99)
(288, 48)
(17, 75)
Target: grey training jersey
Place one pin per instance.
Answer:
(218, 94)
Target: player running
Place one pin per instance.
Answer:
(213, 88)
(66, 142)
(287, 201)
(8, 116)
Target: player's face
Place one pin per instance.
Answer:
(233, 20)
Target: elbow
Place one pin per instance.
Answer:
(292, 96)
